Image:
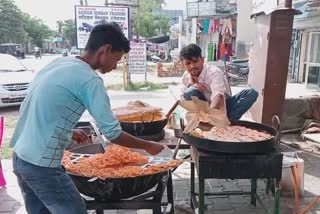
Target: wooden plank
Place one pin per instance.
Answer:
(312, 137)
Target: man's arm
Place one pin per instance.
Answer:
(185, 82)
(130, 141)
(218, 88)
(97, 102)
(218, 102)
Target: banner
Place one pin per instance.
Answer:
(265, 6)
(207, 8)
(137, 58)
(87, 17)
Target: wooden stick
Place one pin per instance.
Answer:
(296, 193)
(172, 108)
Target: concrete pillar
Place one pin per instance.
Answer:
(245, 28)
(180, 34)
(194, 31)
(302, 56)
(188, 33)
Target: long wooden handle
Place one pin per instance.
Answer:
(172, 108)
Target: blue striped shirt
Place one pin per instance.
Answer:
(56, 99)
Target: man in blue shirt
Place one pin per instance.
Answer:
(57, 98)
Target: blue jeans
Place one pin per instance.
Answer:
(236, 105)
(47, 190)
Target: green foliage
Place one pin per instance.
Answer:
(37, 31)
(11, 25)
(150, 24)
(18, 27)
(149, 86)
(67, 29)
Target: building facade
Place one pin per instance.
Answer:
(304, 64)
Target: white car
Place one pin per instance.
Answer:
(14, 80)
(75, 51)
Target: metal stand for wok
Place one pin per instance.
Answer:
(226, 166)
(217, 165)
(149, 200)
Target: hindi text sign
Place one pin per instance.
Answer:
(137, 58)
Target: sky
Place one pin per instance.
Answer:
(50, 11)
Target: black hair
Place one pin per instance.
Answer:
(190, 51)
(109, 33)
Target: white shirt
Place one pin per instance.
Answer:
(212, 78)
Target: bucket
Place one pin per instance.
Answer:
(287, 186)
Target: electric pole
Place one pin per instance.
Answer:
(138, 22)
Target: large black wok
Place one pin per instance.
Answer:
(112, 189)
(147, 127)
(264, 146)
(144, 127)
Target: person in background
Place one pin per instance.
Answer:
(57, 98)
(37, 52)
(208, 83)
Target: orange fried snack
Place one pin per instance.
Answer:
(117, 161)
(66, 158)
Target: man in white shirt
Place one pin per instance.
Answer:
(208, 83)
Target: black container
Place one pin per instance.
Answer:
(144, 127)
(264, 146)
(113, 189)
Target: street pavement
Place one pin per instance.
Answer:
(11, 201)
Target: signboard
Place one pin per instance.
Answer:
(206, 8)
(137, 58)
(265, 6)
(87, 17)
(192, 9)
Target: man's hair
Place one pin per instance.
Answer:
(191, 51)
(109, 33)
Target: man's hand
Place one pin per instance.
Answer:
(218, 102)
(154, 148)
(196, 84)
(199, 86)
(80, 136)
(205, 126)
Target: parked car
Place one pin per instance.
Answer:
(74, 51)
(12, 49)
(14, 80)
(65, 52)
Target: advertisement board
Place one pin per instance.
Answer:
(207, 8)
(137, 58)
(265, 6)
(89, 16)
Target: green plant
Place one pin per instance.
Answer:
(149, 86)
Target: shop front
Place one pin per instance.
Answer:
(304, 64)
(217, 37)
(213, 26)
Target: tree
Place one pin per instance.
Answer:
(150, 24)
(18, 27)
(60, 26)
(69, 31)
(36, 30)
(11, 25)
